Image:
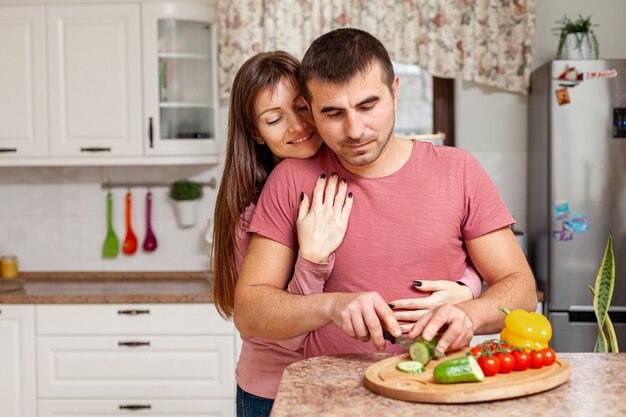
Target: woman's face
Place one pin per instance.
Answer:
(284, 123)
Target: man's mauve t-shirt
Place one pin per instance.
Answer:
(405, 226)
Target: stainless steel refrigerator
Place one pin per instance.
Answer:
(577, 192)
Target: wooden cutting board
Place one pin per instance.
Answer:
(384, 379)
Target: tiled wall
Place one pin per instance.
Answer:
(54, 219)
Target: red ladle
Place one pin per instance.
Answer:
(150, 242)
(130, 241)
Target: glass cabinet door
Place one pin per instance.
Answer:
(184, 80)
(181, 82)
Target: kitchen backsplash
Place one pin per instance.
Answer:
(54, 219)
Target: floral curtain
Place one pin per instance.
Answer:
(486, 41)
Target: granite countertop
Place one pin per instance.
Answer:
(333, 386)
(107, 287)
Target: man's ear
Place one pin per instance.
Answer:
(394, 90)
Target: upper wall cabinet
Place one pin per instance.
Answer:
(23, 126)
(95, 79)
(108, 83)
(180, 83)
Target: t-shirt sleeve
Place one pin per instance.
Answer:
(309, 277)
(472, 280)
(484, 209)
(276, 210)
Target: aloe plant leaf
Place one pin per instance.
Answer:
(612, 337)
(605, 281)
(601, 342)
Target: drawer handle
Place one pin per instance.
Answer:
(133, 344)
(135, 407)
(95, 149)
(7, 150)
(133, 312)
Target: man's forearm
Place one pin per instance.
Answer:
(267, 312)
(517, 291)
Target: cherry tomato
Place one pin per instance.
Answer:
(489, 364)
(536, 359)
(507, 362)
(477, 350)
(522, 360)
(549, 356)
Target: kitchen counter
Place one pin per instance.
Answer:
(333, 386)
(109, 287)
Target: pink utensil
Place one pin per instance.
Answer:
(130, 241)
(150, 242)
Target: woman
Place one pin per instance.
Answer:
(269, 121)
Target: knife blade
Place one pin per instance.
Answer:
(402, 341)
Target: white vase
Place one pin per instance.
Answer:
(187, 212)
(577, 46)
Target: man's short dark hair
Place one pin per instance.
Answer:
(337, 56)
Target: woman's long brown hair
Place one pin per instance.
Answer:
(246, 167)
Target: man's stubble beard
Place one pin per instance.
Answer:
(361, 160)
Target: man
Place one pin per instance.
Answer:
(418, 211)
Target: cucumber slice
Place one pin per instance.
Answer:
(461, 369)
(411, 367)
(421, 351)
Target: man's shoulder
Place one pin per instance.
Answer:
(290, 166)
(441, 154)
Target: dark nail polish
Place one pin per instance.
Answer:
(350, 194)
(391, 305)
(417, 283)
(301, 196)
(323, 176)
(334, 174)
(343, 180)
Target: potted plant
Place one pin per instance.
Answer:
(186, 194)
(577, 39)
(606, 340)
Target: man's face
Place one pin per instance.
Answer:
(355, 119)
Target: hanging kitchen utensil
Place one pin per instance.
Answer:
(130, 241)
(150, 242)
(111, 246)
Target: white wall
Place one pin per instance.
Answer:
(54, 219)
(492, 123)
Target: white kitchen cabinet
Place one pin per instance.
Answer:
(135, 367)
(108, 83)
(109, 408)
(17, 361)
(94, 79)
(23, 126)
(180, 78)
(176, 359)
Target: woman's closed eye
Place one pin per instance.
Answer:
(274, 121)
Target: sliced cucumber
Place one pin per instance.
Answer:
(461, 369)
(411, 367)
(420, 351)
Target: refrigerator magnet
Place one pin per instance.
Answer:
(562, 235)
(562, 96)
(579, 223)
(561, 210)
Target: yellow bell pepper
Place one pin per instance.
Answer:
(530, 331)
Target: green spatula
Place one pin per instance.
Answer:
(111, 246)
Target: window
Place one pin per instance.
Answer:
(425, 103)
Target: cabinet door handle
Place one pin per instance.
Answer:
(95, 149)
(135, 407)
(8, 150)
(133, 344)
(150, 133)
(133, 312)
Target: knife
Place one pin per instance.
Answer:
(398, 341)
